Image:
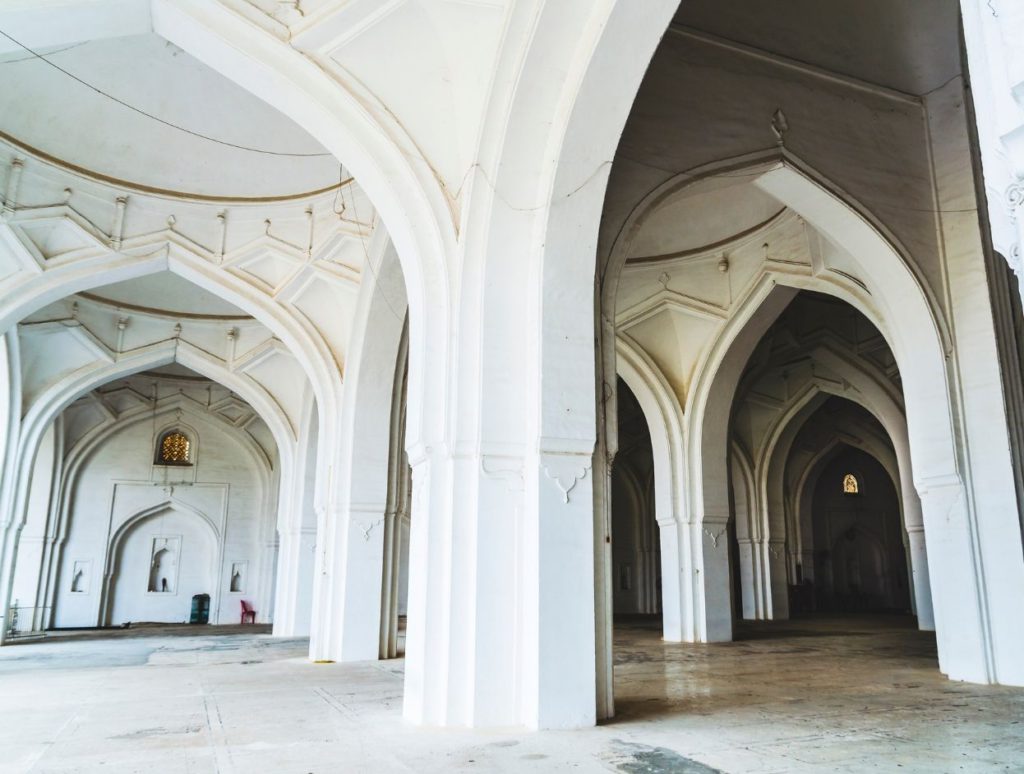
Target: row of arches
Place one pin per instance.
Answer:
(767, 297)
(496, 277)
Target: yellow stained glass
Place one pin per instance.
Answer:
(850, 485)
(174, 448)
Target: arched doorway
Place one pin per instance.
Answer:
(860, 564)
(636, 549)
(159, 560)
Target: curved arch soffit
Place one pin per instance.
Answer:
(741, 474)
(604, 67)
(801, 189)
(868, 390)
(808, 478)
(380, 333)
(771, 467)
(59, 282)
(919, 342)
(664, 424)
(799, 410)
(941, 451)
(373, 146)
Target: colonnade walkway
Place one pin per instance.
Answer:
(847, 694)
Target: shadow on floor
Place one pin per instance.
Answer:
(141, 630)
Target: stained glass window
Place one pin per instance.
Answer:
(174, 449)
(850, 485)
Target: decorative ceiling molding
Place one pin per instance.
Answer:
(166, 193)
(716, 248)
(154, 312)
(669, 299)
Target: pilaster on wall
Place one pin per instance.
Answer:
(296, 532)
(977, 615)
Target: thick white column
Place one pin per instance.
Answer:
(711, 573)
(748, 579)
(917, 551)
(562, 601)
(778, 575)
(501, 596)
(293, 595)
(676, 585)
(971, 520)
(918, 558)
(296, 532)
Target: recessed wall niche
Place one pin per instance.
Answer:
(80, 572)
(175, 454)
(174, 448)
(239, 571)
(163, 565)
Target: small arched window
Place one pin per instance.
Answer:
(174, 448)
(850, 484)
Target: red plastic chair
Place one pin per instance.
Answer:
(248, 612)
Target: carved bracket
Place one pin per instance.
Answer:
(566, 471)
(508, 469)
(715, 536)
(367, 525)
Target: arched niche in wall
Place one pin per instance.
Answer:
(175, 447)
(157, 560)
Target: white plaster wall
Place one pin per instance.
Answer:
(120, 481)
(193, 571)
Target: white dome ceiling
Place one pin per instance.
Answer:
(47, 110)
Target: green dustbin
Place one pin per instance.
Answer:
(200, 609)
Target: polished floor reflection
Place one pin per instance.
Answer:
(847, 694)
(843, 693)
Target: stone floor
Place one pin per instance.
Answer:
(845, 695)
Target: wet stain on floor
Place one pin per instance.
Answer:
(632, 758)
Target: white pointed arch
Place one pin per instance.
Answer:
(889, 290)
(83, 448)
(59, 395)
(26, 294)
(664, 419)
(367, 139)
(117, 539)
